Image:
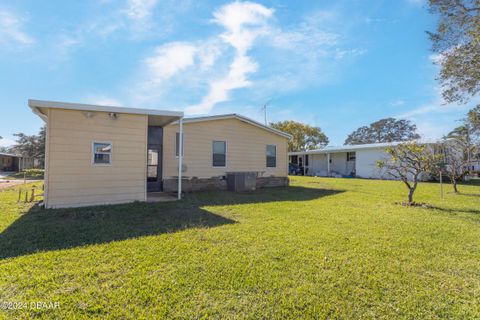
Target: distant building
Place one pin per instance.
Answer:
(343, 161)
(13, 162)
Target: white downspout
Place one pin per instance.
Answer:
(180, 158)
(328, 164)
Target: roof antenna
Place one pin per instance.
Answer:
(264, 109)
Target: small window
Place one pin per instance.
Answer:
(102, 153)
(351, 156)
(177, 142)
(271, 156)
(219, 149)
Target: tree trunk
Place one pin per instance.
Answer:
(412, 190)
(410, 195)
(454, 183)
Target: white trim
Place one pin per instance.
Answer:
(35, 104)
(348, 148)
(93, 154)
(180, 158)
(238, 117)
(46, 175)
(226, 155)
(145, 162)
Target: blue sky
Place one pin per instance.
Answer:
(333, 64)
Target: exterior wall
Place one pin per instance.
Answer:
(318, 165)
(366, 166)
(27, 163)
(339, 163)
(216, 183)
(72, 180)
(7, 163)
(246, 149)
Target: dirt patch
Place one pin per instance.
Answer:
(415, 204)
(10, 183)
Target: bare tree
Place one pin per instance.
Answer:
(407, 162)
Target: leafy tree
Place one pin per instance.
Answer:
(456, 158)
(407, 162)
(473, 119)
(32, 146)
(384, 130)
(304, 137)
(457, 41)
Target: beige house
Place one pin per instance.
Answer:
(106, 155)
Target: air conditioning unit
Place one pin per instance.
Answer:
(242, 181)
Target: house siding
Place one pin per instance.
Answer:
(246, 149)
(72, 179)
(366, 163)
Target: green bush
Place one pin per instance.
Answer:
(34, 172)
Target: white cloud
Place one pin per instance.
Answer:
(219, 89)
(170, 59)
(308, 34)
(104, 101)
(436, 106)
(11, 29)
(436, 118)
(433, 130)
(203, 73)
(6, 142)
(140, 9)
(397, 103)
(243, 23)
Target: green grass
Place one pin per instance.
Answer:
(322, 248)
(29, 174)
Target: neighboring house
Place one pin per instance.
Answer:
(106, 155)
(14, 162)
(344, 161)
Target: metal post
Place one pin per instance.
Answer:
(328, 164)
(180, 159)
(441, 185)
(23, 168)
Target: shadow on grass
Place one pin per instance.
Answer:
(52, 229)
(454, 210)
(469, 194)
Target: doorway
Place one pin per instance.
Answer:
(154, 159)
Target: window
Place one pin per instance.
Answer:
(177, 142)
(351, 156)
(219, 149)
(102, 153)
(271, 156)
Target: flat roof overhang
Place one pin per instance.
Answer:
(155, 117)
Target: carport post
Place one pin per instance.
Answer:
(180, 158)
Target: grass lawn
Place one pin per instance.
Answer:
(336, 248)
(29, 174)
